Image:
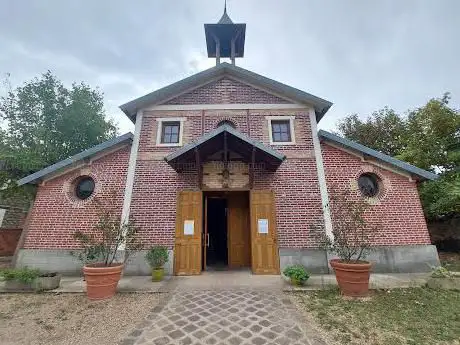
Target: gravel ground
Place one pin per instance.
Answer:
(70, 318)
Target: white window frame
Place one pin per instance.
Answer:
(160, 121)
(291, 119)
(2, 215)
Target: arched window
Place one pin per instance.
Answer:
(226, 122)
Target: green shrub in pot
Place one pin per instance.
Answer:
(157, 257)
(297, 274)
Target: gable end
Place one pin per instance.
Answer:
(226, 91)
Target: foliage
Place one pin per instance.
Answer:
(384, 131)
(157, 257)
(103, 245)
(427, 137)
(441, 272)
(352, 233)
(419, 316)
(24, 275)
(44, 122)
(297, 273)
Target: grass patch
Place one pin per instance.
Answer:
(451, 261)
(391, 317)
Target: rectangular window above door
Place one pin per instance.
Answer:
(170, 131)
(281, 130)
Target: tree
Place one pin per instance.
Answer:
(384, 131)
(45, 122)
(427, 137)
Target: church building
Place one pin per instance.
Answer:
(227, 168)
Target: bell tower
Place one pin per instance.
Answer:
(225, 39)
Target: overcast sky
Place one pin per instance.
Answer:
(361, 55)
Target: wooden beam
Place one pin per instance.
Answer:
(199, 168)
(225, 151)
(251, 167)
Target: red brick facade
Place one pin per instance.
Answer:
(57, 214)
(396, 210)
(227, 91)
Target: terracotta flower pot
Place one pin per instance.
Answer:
(353, 278)
(102, 281)
(157, 274)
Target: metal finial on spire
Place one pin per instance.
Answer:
(225, 6)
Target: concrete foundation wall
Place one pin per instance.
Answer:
(391, 259)
(395, 259)
(64, 262)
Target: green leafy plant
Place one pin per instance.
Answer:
(110, 240)
(351, 234)
(441, 272)
(297, 273)
(157, 257)
(24, 275)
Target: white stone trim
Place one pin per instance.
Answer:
(229, 106)
(321, 176)
(160, 121)
(291, 128)
(131, 173)
(2, 215)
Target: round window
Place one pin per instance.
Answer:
(368, 185)
(84, 188)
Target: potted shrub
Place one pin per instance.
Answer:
(351, 241)
(157, 257)
(104, 252)
(297, 274)
(27, 279)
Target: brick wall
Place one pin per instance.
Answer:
(396, 211)
(295, 183)
(228, 91)
(57, 214)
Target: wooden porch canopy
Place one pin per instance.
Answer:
(225, 139)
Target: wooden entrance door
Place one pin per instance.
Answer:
(264, 253)
(187, 251)
(238, 226)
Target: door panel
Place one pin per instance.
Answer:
(265, 256)
(187, 251)
(238, 230)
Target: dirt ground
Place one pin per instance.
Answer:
(70, 318)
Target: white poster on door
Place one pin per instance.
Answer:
(262, 226)
(189, 227)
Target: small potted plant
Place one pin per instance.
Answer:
(104, 250)
(350, 240)
(297, 274)
(157, 257)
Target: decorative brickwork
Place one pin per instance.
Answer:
(396, 212)
(227, 91)
(55, 216)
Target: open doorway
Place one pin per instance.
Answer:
(216, 242)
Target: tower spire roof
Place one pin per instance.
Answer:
(225, 19)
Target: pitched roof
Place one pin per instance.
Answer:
(59, 166)
(376, 154)
(266, 151)
(321, 105)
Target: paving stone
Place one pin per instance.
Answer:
(128, 341)
(161, 341)
(255, 328)
(223, 334)
(269, 335)
(246, 334)
(200, 334)
(259, 341)
(176, 334)
(235, 341)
